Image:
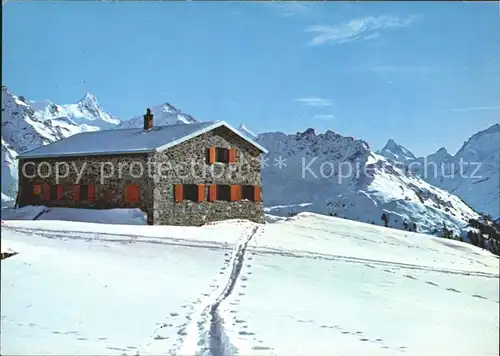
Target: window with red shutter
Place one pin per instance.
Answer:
(247, 192)
(84, 192)
(221, 155)
(224, 192)
(132, 193)
(190, 192)
(250, 192)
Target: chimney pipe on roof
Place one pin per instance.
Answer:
(148, 120)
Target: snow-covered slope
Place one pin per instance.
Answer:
(472, 174)
(340, 175)
(164, 114)
(356, 289)
(331, 286)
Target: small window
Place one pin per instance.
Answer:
(223, 192)
(248, 192)
(53, 192)
(222, 155)
(190, 192)
(84, 192)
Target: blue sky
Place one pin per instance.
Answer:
(425, 74)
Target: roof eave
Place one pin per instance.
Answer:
(104, 153)
(208, 129)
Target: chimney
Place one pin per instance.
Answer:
(148, 120)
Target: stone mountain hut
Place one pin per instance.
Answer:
(185, 174)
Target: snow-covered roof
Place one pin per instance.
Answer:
(135, 140)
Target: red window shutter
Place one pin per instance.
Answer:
(91, 193)
(178, 193)
(211, 155)
(232, 155)
(76, 192)
(132, 193)
(46, 192)
(60, 192)
(137, 192)
(235, 193)
(37, 189)
(256, 193)
(201, 192)
(212, 192)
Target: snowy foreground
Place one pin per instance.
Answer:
(309, 285)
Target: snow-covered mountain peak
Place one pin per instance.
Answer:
(491, 132)
(329, 146)
(84, 114)
(12, 100)
(307, 134)
(21, 129)
(492, 129)
(244, 130)
(482, 145)
(440, 155)
(472, 173)
(89, 109)
(396, 152)
(391, 143)
(167, 108)
(89, 98)
(163, 114)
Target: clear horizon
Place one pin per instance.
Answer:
(426, 75)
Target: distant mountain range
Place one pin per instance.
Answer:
(301, 171)
(472, 173)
